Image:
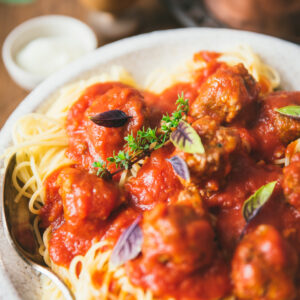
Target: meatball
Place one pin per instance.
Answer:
(291, 181)
(273, 131)
(86, 196)
(129, 101)
(227, 93)
(287, 128)
(178, 236)
(264, 266)
(88, 141)
(177, 242)
(210, 168)
(156, 181)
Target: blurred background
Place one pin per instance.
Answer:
(115, 19)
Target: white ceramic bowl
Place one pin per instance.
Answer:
(44, 26)
(139, 55)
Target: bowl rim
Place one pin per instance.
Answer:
(27, 26)
(88, 62)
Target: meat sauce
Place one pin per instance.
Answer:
(192, 247)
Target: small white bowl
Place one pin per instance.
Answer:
(44, 26)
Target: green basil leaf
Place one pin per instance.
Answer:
(187, 139)
(290, 111)
(256, 201)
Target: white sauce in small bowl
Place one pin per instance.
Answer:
(42, 45)
(45, 55)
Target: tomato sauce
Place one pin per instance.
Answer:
(155, 182)
(245, 178)
(82, 208)
(212, 65)
(212, 283)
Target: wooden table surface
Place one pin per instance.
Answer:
(12, 15)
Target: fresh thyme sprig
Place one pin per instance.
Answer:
(100, 166)
(143, 140)
(171, 122)
(146, 140)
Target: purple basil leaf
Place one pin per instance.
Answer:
(110, 118)
(129, 244)
(180, 167)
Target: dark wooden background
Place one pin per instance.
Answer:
(12, 15)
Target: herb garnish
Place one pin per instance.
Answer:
(186, 138)
(292, 111)
(146, 141)
(128, 246)
(111, 118)
(256, 201)
(180, 167)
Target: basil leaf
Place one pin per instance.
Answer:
(180, 167)
(256, 201)
(187, 139)
(110, 118)
(292, 111)
(128, 246)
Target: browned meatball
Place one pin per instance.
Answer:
(291, 181)
(86, 196)
(177, 242)
(287, 128)
(156, 181)
(273, 131)
(220, 143)
(177, 235)
(264, 266)
(227, 93)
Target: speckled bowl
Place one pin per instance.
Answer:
(139, 55)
